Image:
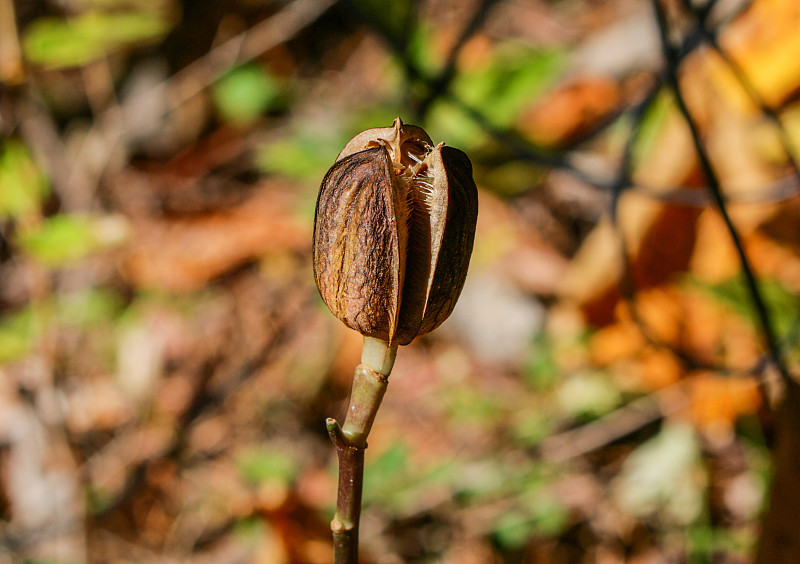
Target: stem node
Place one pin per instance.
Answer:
(350, 440)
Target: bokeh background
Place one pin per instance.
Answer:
(604, 391)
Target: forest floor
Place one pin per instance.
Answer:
(603, 391)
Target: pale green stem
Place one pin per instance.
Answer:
(369, 384)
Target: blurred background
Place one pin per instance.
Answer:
(605, 389)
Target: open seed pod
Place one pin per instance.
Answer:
(393, 232)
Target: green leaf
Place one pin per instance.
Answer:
(63, 238)
(257, 466)
(707, 544)
(382, 474)
(390, 480)
(303, 156)
(87, 307)
(244, 93)
(511, 81)
(126, 4)
(532, 426)
(97, 499)
(664, 476)
(17, 335)
(588, 395)
(513, 178)
(22, 187)
(490, 477)
(543, 515)
(651, 126)
(60, 43)
(449, 122)
(421, 49)
(512, 530)
(548, 515)
(390, 17)
(60, 239)
(541, 370)
(250, 531)
(735, 294)
(466, 405)
(19, 331)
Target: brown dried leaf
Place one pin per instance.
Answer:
(717, 401)
(569, 113)
(182, 255)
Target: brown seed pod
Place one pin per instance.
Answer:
(393, 232)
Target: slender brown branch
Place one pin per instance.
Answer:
(348, 504)
(763, 314)
(350, 441)
(275, 30)
(778, 540)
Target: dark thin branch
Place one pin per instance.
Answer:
(410, 20)
(348, 500)
(712, 38)
(396, 44)
(441, 83)
(519, 147)
(630, 293)
(522, 148)
(628, 287)
(625, 170)
(715, 188)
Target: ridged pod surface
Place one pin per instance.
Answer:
(393, 232)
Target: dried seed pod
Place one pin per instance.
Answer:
(393, 232)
